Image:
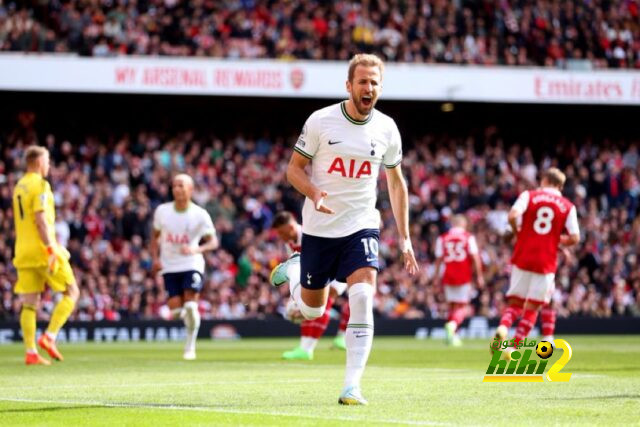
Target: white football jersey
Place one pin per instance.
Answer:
(179, 228)
(346, 157)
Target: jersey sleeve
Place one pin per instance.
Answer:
(157, 219)
(41, 196)
(439, 249)
(207, 228)
(309, 141)
(472, 245)
(522, 203)
(572, 222)
(393, 156)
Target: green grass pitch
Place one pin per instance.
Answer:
(407, 382)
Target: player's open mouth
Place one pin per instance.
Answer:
(367, 100)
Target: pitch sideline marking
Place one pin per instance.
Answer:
(218, 410)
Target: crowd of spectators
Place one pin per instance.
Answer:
(489, 32)
(107, 187)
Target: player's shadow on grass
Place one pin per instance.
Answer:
(608, 397)
(50, 409)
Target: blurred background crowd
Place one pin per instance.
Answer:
(594, 33)
(106, 187)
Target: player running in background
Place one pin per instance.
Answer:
(544, 215)
(39, 259)
(346, 143)
(457, 250)
(311, 331)
(178, 229)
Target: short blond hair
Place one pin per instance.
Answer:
(33, 153)
(184, 177)
(459, 220)
(555, 177)
(367, 60)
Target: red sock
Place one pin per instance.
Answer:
(548, 317)
(315, 328)
(525, 324)
(344, 317)
(510, 314)
(457, 315)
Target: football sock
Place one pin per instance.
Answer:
(315, 328)
(192, 322)
(60, 315)
(511, 313)
(525, 324)
(344, 319)
(308, 344)
(359, 335)
(457, 315)
(548, 317)
(28, 326)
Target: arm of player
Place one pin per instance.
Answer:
(573, 228)
(436, 273)
(43, 232)
(297, 177)
(210, 242)
(399, 197)
(518, 208)
(514, 214)
(154, 248)
(478, 264)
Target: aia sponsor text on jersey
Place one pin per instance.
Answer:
(350, 168)
(178, 239)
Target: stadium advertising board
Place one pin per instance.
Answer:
(308, 79)
(154, 330)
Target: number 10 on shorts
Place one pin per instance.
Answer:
(370, 248)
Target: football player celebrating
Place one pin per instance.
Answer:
(346, 143)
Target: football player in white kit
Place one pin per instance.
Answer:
(178, 229)
(346, 144)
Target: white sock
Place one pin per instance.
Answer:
(51, 335)
(308, 344)
(192, 322)
(293, 273)
(359, 334)
(340, 333)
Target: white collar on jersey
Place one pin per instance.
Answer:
(551, 190)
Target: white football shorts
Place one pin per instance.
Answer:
(534, 287)
(459, 293)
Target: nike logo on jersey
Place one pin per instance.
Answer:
(361, 335)
(371, 258)
(334, 142)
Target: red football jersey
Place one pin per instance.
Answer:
(456, 248)
(297, 245)
(543, 221)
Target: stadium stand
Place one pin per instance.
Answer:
(109, 183)
(539, 33)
